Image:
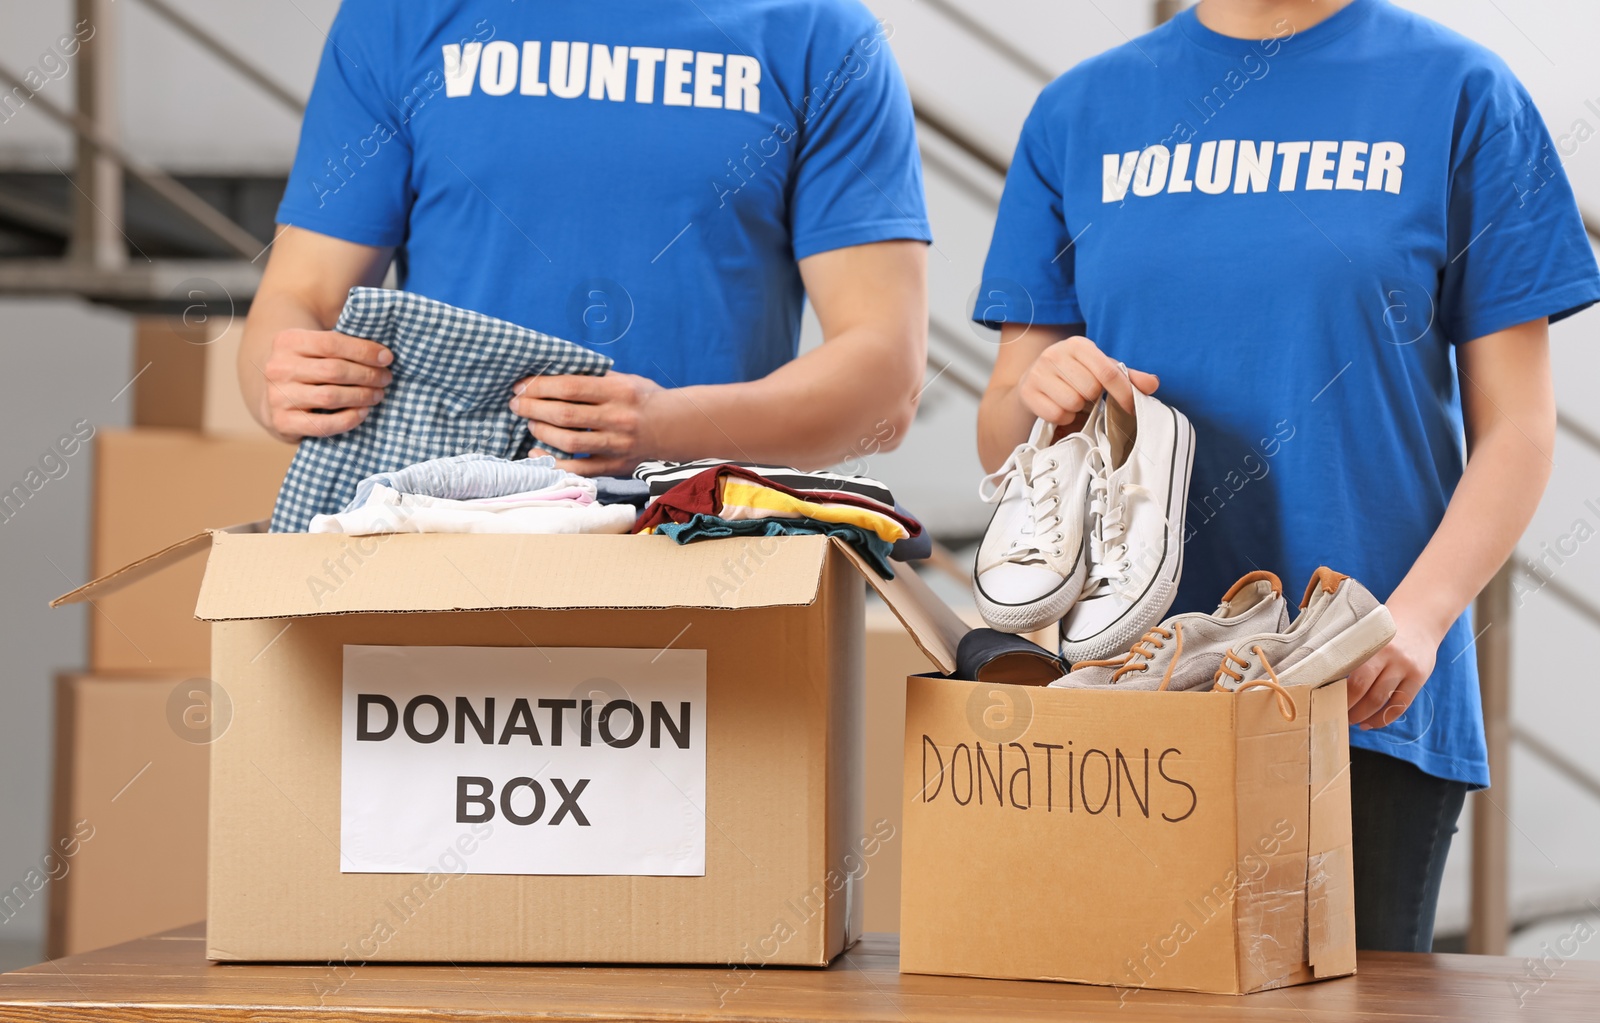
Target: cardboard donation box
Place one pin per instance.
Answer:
(538, 748)
(130, 805)
(1188, 841)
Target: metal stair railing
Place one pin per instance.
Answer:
(97, 264)
(1491, 920)
(157, 180)
(1580, 605)
(227, 54)
(994, 41)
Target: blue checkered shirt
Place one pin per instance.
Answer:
(453, 373)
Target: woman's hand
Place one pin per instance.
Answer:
(615, 419)
(1383, 687)
(1046, 372)
(1070, 375)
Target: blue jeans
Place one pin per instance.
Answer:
(1402, 821)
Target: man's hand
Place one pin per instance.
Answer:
(326, 370)
(1382, 688)
(290, 361)
(1070, 375)
(614, 419)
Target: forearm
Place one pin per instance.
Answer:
(1003, 423)
(1493, 503)
(855, 395)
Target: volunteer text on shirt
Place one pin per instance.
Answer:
(1247, 166)
(726, 81)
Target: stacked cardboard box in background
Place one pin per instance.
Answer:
(131, 760)
(130, 797)
(188, 377)
(153, 486)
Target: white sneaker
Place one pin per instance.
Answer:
(1138, 489)
(1030, 566)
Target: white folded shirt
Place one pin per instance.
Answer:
(568, 508)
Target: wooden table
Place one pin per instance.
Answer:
(166, 978)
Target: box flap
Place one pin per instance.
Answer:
(150, 564)
(301, 574)
(931, 623)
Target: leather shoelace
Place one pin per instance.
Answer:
(1138, 656)
(1285, 701)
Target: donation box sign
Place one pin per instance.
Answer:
(549, 760)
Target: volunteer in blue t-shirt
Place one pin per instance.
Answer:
(1337, 232)
(666, 183)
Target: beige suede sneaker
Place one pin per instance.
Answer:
(1182, 652)
(1340, 625)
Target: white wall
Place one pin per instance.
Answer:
(63, 363)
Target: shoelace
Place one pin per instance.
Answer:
(1109, 562)
(1285, 701)
(1016, 464)
(1044, 499)
(1139, 655)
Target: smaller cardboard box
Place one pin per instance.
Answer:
(1187, 841)
(187, 374)
(524, 748)
(129, 857)
(152, 487)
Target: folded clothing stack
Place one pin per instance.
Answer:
(711, 499)
(476, 493)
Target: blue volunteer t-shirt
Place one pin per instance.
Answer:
(636, 176)
(1294, 234)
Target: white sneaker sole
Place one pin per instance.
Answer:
(1156, 601)
(1336, 658)
(1018, 618)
